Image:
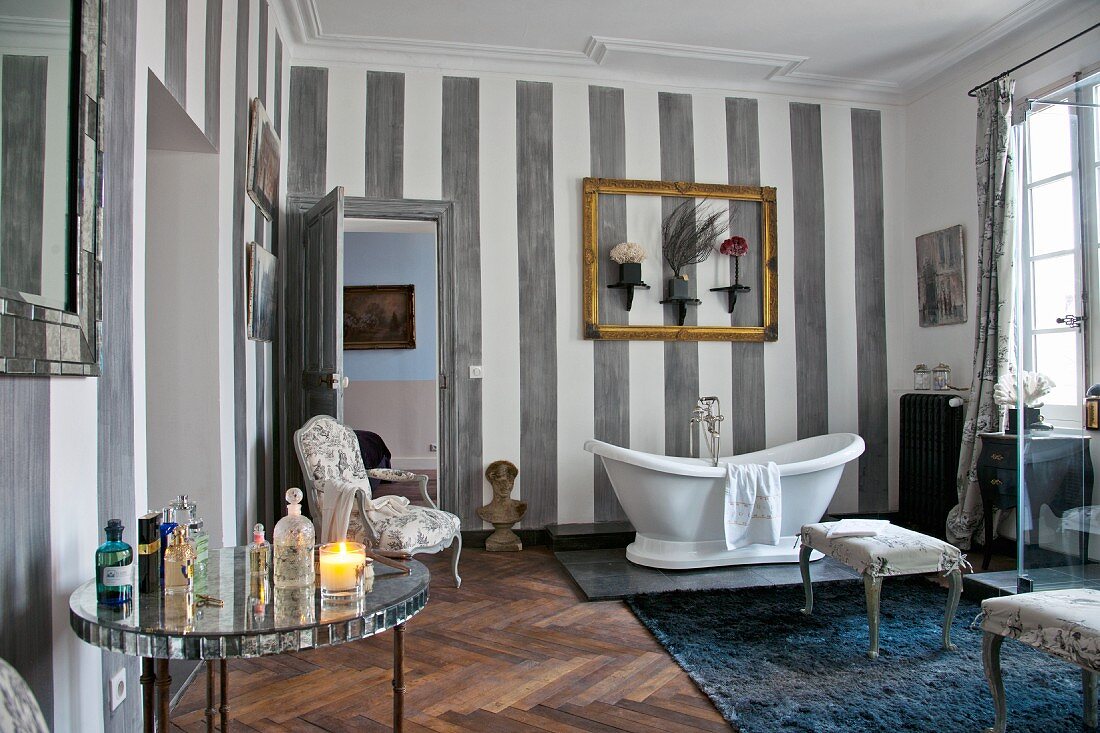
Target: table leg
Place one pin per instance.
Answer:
(147, 678)
(209, 713)
(399, 678)
(987, 512)
(224, 709)
(163, 683)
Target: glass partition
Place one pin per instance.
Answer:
(1057, 169)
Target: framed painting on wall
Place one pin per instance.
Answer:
(261, 293)
(379, 317)
(263, 161)
(941, 279)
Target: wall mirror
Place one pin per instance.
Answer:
(730, 296)
(51, 90)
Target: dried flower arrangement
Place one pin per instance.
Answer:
(1035, 386)
(688, 235)
(735, 247)
(625, 252)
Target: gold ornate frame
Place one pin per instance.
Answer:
(765, 195)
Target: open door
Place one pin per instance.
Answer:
(322, 280)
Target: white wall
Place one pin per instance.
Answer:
(182, 356)
(940, 191)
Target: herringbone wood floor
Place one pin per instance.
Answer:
(515, 649)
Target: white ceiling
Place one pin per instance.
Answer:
(871, 47)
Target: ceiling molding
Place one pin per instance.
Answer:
(980, 41)
(601, 57)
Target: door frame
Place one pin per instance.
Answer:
(287, 363)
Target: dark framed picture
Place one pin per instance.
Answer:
(379, 317)
(263, 161)
(261, 293)
(941, 279)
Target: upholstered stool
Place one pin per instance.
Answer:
(1063, 623)
(894, 551)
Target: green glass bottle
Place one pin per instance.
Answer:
(114, 568)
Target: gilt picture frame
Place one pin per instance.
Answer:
(594, 285)
(379, 317)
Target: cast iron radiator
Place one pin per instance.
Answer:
(931, 435)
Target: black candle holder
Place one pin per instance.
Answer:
(732, 291)
(629, 288)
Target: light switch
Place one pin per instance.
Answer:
(476, 372)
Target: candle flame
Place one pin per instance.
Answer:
(343, 548)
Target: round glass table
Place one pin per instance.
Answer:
(253, 620)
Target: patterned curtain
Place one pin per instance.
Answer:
(994, 351)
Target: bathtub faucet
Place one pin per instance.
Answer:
(708, 411)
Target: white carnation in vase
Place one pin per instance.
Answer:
(625, 252)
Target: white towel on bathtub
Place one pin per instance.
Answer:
(753, 507)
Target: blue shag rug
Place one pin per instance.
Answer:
(768, 668)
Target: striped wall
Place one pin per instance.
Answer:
(516, 183)
(78, 455)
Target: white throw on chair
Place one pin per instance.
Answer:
(329, 452)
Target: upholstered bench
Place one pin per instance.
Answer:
(1063, 623)
(894, 551)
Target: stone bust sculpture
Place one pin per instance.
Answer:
(503, 511)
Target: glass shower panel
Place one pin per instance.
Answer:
(1057, 537)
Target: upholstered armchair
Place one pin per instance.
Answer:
(19, 710)
(329, 452)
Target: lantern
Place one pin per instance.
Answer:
(922, 377)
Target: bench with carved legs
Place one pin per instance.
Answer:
(894, 551)
(1062, 623)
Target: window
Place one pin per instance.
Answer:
(1059, 244)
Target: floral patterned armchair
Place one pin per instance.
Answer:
(329, 451)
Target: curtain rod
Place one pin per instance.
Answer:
(1036, 57)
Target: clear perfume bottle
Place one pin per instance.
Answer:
(114, 568)
(259, 552)
(179, 564)
(198, 536)
(293, 541)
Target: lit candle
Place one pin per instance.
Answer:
(343, 567)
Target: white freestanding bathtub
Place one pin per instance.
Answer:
(676, 504)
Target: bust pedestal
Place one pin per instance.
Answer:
(504, 539)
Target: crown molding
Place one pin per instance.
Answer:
(781, 73)
(980, 41)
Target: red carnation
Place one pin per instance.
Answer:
(735, 247)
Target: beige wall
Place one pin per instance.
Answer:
(404, 413)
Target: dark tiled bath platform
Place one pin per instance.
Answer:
(606, 575)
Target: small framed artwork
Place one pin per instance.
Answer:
(263, 161)
(941, 279)
(261, 293)
(379, 317)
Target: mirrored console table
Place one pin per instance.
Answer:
(254, 620)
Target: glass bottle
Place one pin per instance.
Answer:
(114, 568)
(179, 564)
(167, 524)
(259, 552)
(293, 541)
(198, 536)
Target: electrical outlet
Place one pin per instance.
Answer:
(118, 688)
(476, 372)
(433, 448)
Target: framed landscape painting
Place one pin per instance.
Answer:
(941, 279)
(261, 293)
(379, 317)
